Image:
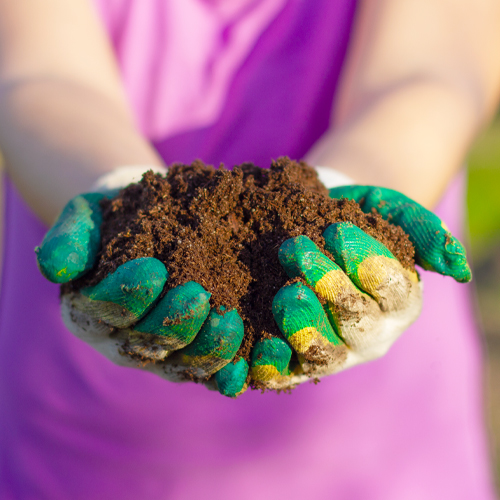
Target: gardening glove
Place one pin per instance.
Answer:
(176, 336)
(351, 309)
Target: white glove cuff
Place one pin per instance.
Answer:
(332, 178)
(121, 177)
(127, 174)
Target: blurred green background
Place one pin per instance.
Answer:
(484, 227)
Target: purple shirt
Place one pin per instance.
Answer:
(247, 81)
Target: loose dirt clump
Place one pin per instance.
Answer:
(223, 228)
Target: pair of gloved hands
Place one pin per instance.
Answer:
(370, 299)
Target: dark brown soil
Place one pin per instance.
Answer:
(223, 230)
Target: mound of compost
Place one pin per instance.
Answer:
(223, 228)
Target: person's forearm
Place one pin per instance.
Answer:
(421, 79)
(58, 137)
(412, 138)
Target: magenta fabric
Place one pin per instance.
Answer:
(73, 425)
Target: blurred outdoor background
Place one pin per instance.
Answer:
(484, 228)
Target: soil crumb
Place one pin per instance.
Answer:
(223, 228)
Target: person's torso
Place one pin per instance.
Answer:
(229, 81)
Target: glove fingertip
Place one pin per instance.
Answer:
(456, 259)
(216, 344)
(270, 361)
(178, 316)
(231, 380)
(123, 297)
(70, 247)
(60, 264)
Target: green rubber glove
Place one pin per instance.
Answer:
(122, 315)
(367, 298)
(70, 247)
(231, 380)
(435, 248)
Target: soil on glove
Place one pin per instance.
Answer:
(223, 229)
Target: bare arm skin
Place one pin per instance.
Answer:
(64, 120)
(422, 78)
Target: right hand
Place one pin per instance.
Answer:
(122, 317)
(369, 299)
